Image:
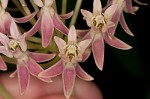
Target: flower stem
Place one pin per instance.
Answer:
(4, 93)
(64, 8)
(35, 7)
(76, 12)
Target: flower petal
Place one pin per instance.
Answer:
(2, 64)
(26, 18)
(52, 71)
(98, 51)
(12, 75)
(124, 25)
(97, 7)
(4, 3)
(59, 25)
(87, 16)
(47, 29)
(84, 44)
(4, 51)
(41, 57)
(38, 3)
(3, 39)
(72, 35)
(60, 43)
(48, 2)
(86, 54)
(23, 77)
(66, 16)
(129, 7)
(35, 28)
(82, 74)
(117, 43)
(22, 42)
(68, 77)
(7, 21)
(82, 33)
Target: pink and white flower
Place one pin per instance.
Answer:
(100, 22)
(70, 54)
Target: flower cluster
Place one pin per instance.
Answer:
(57, 47)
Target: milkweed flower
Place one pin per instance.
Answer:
(47, 20)
(14, 46)
(70, 54)
(100, 22)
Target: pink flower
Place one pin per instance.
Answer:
(6, 18)
(70, 54)
(47, 20)
(100, 23)
(14, 46)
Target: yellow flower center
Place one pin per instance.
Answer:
(13, 44)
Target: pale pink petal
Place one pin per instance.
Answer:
(110, 11)
(34, 29)
(22, 42)
(66, 16)
(86, 54)
(98, 51)
(4, 3)
(7, 21)
(26, 18)
(84, 44)
(2, 64)
(72, 35)
(41, 57)
(3, 39)
(82, 33)
(106, 27)
(125, 26)
(33, 67)
(97, 7)
(2, 29)
(23, 77)
(87, 16)
(82, 74)
(68, 77)
(48, 2)
(48, 80)
(14, 30)
(38, 3)
(117, 43)
(53, 71)
(47, 29)
(59, 25)
(60, 43)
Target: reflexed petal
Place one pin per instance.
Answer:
(33, 67)
(4, 3)
(124, 25)
(41, 57)
(129, 7)
(68, 78)
(97, 7)
(72, 35)
(87, 16)
(82, 74)
(60, 43)
(98, 51)
(7, 21)
(106, 27)
(14, 30)
(38, 3)
(2, 64)
(84, 44)
(48, 2)
(3, 39)
(2, 29)
(82, 33)
(23, 77)
(59, 25)
(4, 51)
(26, 18)
(110, 11)
(86, 54)
(53, 71)
(117, 43)
(47, 29)
(34, 29)
(48, 80)
(66, 16)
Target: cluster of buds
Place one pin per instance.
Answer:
(66, 47)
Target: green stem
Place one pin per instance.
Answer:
(35, 7)
(4, 93)
(76, 12)
(64, 8)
